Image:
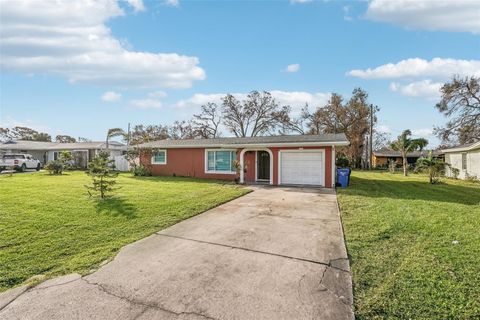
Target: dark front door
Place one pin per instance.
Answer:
(263, 165)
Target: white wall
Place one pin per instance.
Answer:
(121, 164)
(473, 163)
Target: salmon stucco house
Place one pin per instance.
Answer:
(277, 160)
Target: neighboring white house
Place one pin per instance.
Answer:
(82, 152)
(465, 158)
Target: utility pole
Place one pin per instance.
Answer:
(128, 136)
(371, 139)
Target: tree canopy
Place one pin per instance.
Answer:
(259, 114)
(351, 118)
(23, 133)
(65, 139)
(460, 103)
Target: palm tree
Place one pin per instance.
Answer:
(114, 132)
(405, 144)
(433, 166)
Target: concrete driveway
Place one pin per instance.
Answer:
(276, 253)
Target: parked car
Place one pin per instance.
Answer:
(19, 162)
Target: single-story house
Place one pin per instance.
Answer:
(276, 160)
(380, 158)
(465, 158)
(48, 151)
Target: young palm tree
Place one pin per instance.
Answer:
(114, 132)
(433, 166)
(405, 144)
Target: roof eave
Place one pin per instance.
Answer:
(469, 148)
(249, 145)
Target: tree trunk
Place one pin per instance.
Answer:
(405, 168)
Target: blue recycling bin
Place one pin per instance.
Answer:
(343, 177)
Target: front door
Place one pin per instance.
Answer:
(263, 165)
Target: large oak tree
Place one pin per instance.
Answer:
(351, 118)
(460, 103)
(207, 123)
(259, 114)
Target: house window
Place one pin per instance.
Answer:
(220, 161)
(159, 157)
(55, 155)
(464, 161)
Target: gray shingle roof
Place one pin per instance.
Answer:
(464, 147)
(319, 139)
(39, 145)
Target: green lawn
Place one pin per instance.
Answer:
(49, 225)
(402, 238)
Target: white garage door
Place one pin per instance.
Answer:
(302, 167)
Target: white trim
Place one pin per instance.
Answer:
(242, 161)
(214, 171)
(291, 144)
(252, 146)
(469, 148)
(302, 151)
(334, 167)
(152, 160)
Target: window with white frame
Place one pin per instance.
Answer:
(220, 161)
(464, 161)
(159, 157)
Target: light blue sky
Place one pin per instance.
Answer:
(57, 64)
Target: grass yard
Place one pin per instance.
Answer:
(414, 247)
(49, 226)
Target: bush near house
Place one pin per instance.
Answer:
(55, 167)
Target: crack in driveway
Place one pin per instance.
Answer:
(144, 304)
(328, 264)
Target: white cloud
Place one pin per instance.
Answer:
(136, 4)
(70, 39)
(111, 96)
(146, 104)
(199, 99)
(295, 99)
(157, 94)
(292, 67)
(446, 15)
(383, 128)
(298, 99)
(424, 88)
(346, 13)
(416, 67)
(422, 133)
(300, 1)
(172, 3)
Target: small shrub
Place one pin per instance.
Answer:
(434, 167)
(66, 158)
(102, 171)
(342, 162)
(55, 167)
(392, 164)
(238, 168)
(141, 171)
(471, 178)
(455, 173)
